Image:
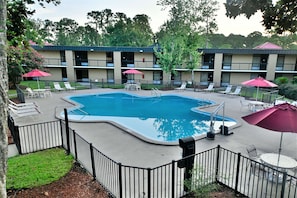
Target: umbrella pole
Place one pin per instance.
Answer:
(38, 82)
(280, 148)
(257, 94)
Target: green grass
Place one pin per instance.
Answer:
(37, 169)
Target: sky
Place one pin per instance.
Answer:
(78, 9)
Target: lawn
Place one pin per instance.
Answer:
(36, 169)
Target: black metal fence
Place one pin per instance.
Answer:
(218, 165)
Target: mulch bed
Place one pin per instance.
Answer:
(76, 184)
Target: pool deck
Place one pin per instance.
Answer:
(129, 150)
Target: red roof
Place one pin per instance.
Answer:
(268, 45)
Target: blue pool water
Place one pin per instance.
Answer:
(166, 118)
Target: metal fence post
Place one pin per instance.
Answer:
(74, 143)
(92, 161)
(237, 172)
(67, 131)
(149, 182)
(283, 184)
(173, 178)
(217, 163)
(17, 135)
(61, 129)
(120, 180)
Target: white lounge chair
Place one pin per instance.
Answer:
(237, 91)
(31, 93)
(210, 87)
(28, 105)
(58, 87)
(182, 87)
(23, 111)
(68, 86)
(227, 90)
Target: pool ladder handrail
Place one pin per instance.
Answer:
(156, 92)
(214, 113)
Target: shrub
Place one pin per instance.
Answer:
(289, 91)
(281, 80)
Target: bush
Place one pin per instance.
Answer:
(294, 81)
(289, 91)
(281, 80)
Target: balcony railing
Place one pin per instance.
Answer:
(256, 66)
(54, 62)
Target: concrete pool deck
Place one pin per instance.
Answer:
(129, 150)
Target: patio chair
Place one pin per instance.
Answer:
(68, 86)
(31, 93)
(210, 87)
(244, 103)
(182, 87)
(257, 167)
(252, 152)
(58, 87)
(236, 92)
(227, 90)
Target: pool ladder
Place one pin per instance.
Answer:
(215, 113)
(156, 92)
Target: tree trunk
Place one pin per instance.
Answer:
(3, 100)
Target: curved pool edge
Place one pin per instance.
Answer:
(139, 136)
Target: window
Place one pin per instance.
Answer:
(225, 79)
(81, 58)
(205, 78)
(176, 78)
(227, 61)
(127, 59)
(157, 77)
(63, 57)
(110, 76)
(280, 63)
(82, 75)
(109, 57)
(64, 72)
(260, 62)
(208, 61)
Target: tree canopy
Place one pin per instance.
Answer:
(278, 18)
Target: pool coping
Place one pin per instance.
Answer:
(136, 134)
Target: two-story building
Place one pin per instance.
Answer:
(222, 66)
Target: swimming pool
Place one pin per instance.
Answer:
(166, 118)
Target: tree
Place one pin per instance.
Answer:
(19, 56)
(66, 32)
(179, 36)
(4, 33)
(129, 32)
(3, 100)
(279, 17)
(170, 55)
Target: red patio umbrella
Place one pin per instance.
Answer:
(132, 72)
(258, 82)
(280, 118)
(36, 73)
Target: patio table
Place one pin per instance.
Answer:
(42, 92)
(254, 105)
(279, 161)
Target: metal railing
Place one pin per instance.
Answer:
(217, 165)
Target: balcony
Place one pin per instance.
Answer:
(286, 68)
(93, 63)
(54, 62)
